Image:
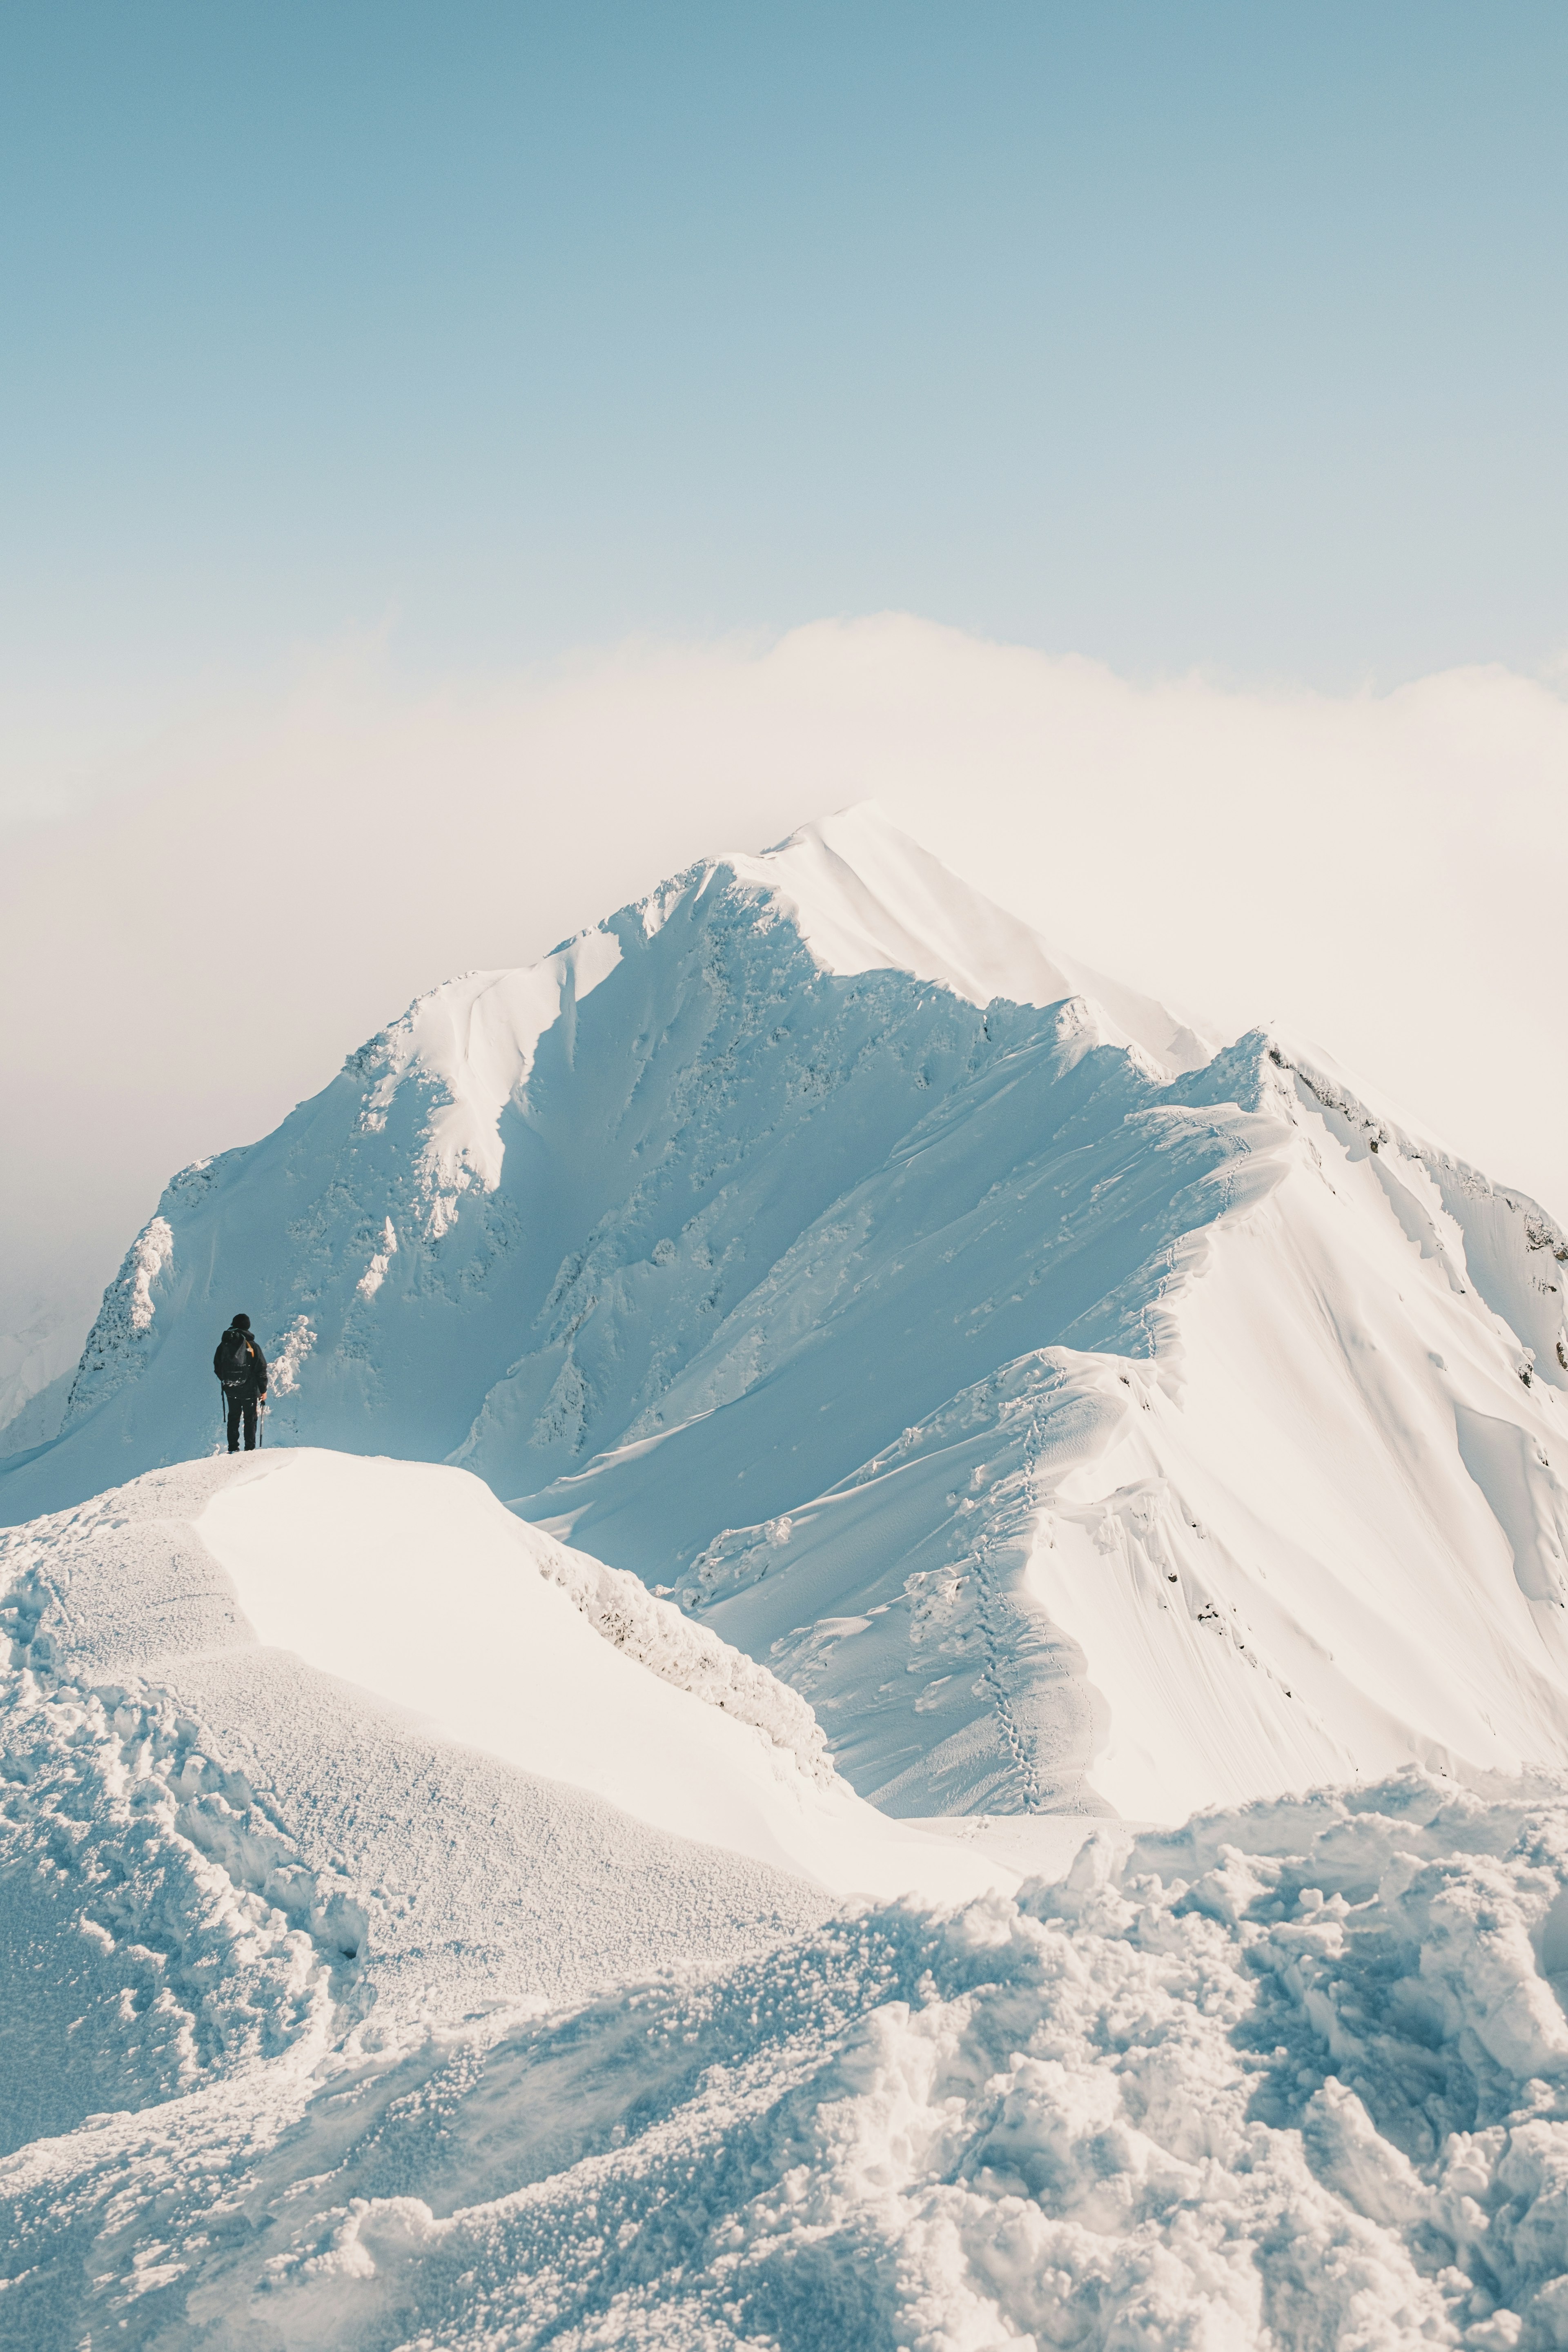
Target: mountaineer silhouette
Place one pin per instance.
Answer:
(242, 1367)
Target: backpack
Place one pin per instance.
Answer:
(234, 1358)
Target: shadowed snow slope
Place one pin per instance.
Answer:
(1079, 1417)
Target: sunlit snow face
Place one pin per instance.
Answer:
(1145, 1434)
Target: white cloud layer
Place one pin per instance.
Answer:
(187, 956)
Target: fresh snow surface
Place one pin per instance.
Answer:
(413, 1581)
(1078, 1417)
(255, 1819)
(324, 2029)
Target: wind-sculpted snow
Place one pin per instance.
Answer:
(211, 1853)
(1091, 1581)
(1324, 1529)
(1230, 1407)
(1292, 2078)
(124, 1325)
(517, 1219)
(619, 1606)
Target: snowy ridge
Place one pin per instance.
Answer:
(1256, 1468)
(1101, 1580)
(426, 1933)
(1507, 1232)
(862, 897)
(442, 1090)
(216, 1865)
(375, 1573)
(620, 1608)
(123, 1329)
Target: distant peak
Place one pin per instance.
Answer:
(865, 895)
(854, 818)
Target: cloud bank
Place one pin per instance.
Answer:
(187, 955)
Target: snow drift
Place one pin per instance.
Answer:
(236, 1598)
(1078, 1416)
(213, 1848)
(322, 2028)
(1291, 2078)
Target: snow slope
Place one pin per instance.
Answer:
(1287, 2079)
(1078, 1416)
(1320, 1529)
(221, 1845)
(414, 1581)
(417, 1929)
(38, 1357)
(321, 2027)
(410, 1583)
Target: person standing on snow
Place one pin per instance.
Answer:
(242, 1367)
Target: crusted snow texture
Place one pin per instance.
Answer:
(211, 1854)
(620, 1607)
(1291, 2078)
(122, 1332)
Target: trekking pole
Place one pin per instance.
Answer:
(260, 1423)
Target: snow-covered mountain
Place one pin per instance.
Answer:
(419, 1931)
(1077, 1416)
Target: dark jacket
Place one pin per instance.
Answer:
(256, 1382)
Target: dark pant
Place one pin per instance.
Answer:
(238, 1402)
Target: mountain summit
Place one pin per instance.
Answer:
(1077, 1416)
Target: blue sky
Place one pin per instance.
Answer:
(1232, 336)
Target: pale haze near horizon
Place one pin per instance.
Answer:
(1375, 872)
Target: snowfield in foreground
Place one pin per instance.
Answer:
(325, 2030)
(414, 1581)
